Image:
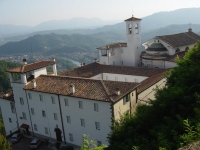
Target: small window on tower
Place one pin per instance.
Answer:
(130, 28)
(136, 28)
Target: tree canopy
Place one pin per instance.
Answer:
(170, 121)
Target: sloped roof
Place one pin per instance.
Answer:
(30, 67)
(84, 88)
(180, 39)
(132, 19)
(114, 45)
(93, 69)
(149, 82)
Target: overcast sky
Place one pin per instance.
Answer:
(33, 12)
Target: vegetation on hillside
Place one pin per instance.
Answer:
(172, 120)
(4, 78)
(4, 144)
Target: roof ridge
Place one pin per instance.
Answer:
(105, 89)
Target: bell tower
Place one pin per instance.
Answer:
(133, 34)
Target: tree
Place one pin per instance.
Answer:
(4, 144)
(171, 120)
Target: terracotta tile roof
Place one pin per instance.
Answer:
(31, 67)
(84, 88)
(180, 39)
(114, 45)
(93, 69)
(179, 55)
(132, 19)
(149, 82)
(8, 95)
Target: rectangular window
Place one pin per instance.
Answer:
(53, 100)
(29, 96)
(80, 104)
(83, 122)
(32, 111)
(66, 102)
(46, 130)
(21, 101)
(43, 113)
(126, 99)
(96, 107)
(99, 143)
(35, 127)
(71, 137)
(41, 98)
(12, 106)
(10, 120)
(97, 125)
(68, 119)
(24, 115)
(55, 116)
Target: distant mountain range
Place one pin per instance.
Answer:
(154, 21)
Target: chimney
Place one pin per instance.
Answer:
(72, 89)
(33, 84)
(190, 30)
(95, 60)
(81, 64)
(53, 58)
(117, 91)
(24, 61)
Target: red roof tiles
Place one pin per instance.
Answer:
(31, 67)
(181, 39)
(84, 88)
(93, 69)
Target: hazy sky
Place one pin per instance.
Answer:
(33, 12)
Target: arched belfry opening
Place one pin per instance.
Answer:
(136, 28)
(130, 28)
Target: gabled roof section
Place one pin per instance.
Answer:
(93, 69)
(84, 87)
(145, 84)
(114, 45)
(180, 39)
(30, 67)
(132, 19)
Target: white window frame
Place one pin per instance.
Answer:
(46, 130)
(96, 107)
(71, 137)
(24, 115)
(43, 114)
(21, 101)
(41, 97)
(53, 100)
(80, 104)
(83, 122)
(66, 102)
(32, 111)
(68, 119)
(29, 96)
(97, 125)
(35, 127)
(55, 116)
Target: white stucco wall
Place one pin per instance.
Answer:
(170, 64)
(103, 116)
(7, 113)
(50, 108)
(19, 92)
(120, 108)
(119, 77)
(149, 93)
(40, 71)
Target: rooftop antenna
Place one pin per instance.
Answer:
(132, 11)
